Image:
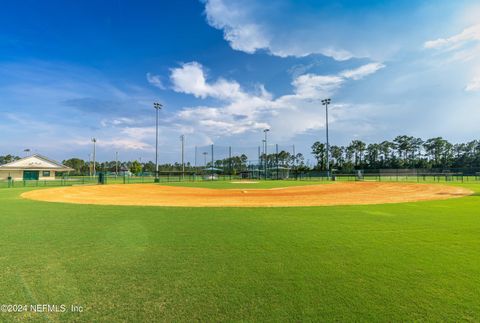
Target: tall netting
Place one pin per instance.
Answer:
(253, 162)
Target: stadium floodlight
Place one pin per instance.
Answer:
(265, 131)
(157, 106)
(94, 140)
(326, 102)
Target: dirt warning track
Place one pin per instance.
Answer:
(310, 195)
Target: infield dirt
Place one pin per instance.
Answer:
(357, 193)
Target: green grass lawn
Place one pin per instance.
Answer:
(396, 262)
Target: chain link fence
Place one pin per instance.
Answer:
(262, 162)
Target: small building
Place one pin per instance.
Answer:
(35, 167)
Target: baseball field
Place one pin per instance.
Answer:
(243, 251)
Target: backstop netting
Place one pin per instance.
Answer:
(254, 162)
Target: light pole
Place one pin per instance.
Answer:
(326, 102)
(94, 140)
(182, 139)
(157, 107)
(90, 165)
(266, 154)
(262, 163)
(116, 164)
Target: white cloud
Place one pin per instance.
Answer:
(316, 86)
(124, 144)
(362, 71)
(191, 79)
(336, 54)
(474, 85)
(243, 36)
(471, 33)
(462, 49)
(117, 122)
(242, 111)
(290, 28)
(155, 80)
(139, 132)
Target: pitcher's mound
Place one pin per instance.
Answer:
(311, 195)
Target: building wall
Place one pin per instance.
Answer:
(46, 178)
(17, 175)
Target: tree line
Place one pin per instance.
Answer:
(83, 167)
(402, 152)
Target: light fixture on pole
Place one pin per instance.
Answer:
(94, 140)
(326, 102)
(266, 154)
(157, 107)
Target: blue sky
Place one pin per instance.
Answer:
(226, 69)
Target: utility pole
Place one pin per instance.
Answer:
(182, 138)
(94, 140)
(157, 106)
(326, 102)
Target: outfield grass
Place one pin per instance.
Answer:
(396, 262)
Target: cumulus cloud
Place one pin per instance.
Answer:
(293, 28)
(245, 34)
(242, 35)
(316, 86)
(191, 79)
(241, 111)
